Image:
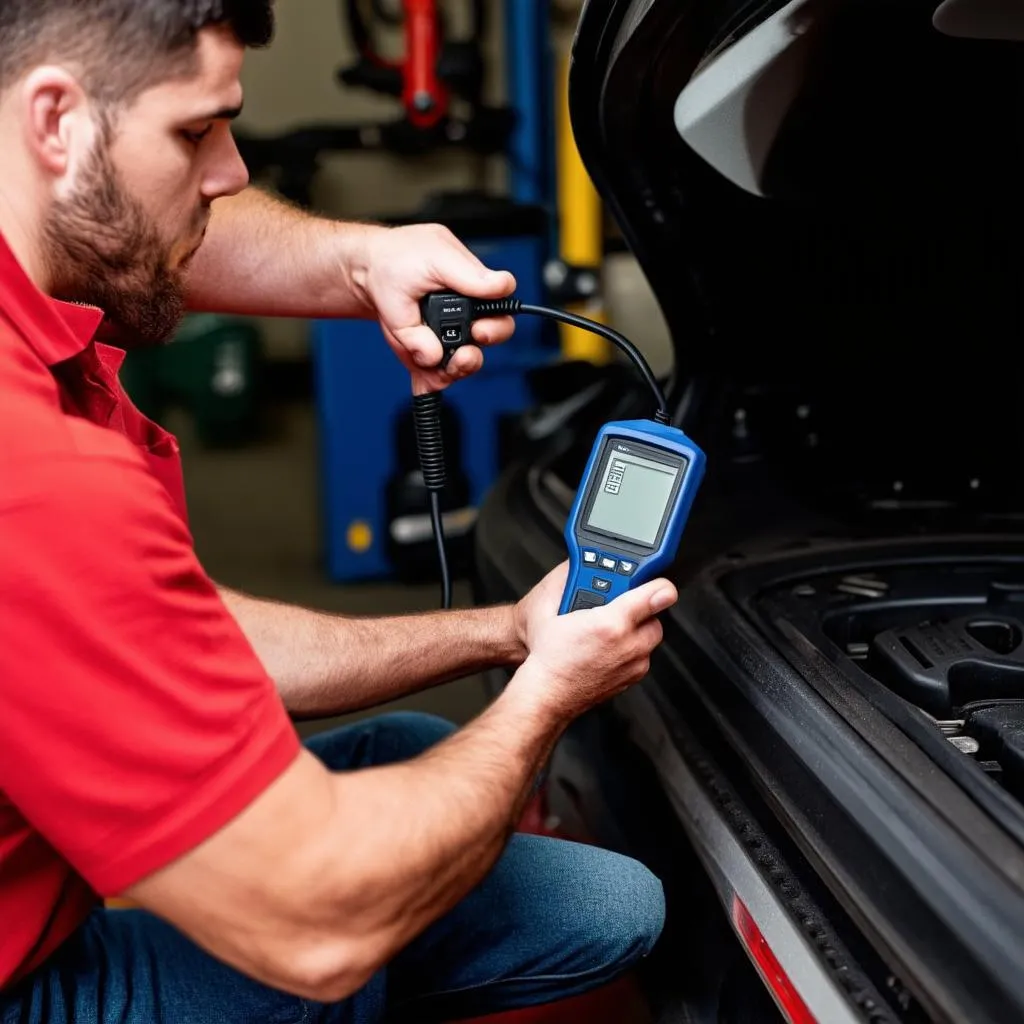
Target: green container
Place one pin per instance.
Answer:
(213, 368)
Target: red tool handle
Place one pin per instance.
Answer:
(425, 98)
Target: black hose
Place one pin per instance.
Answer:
(512, 307)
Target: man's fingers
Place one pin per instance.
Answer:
(650, 634)
(423, 348)
(662, 595)
(493, 330)
(467, 360)
(464, 363)
(421, 344)
(426, 382)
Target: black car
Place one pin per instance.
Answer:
(826, 764)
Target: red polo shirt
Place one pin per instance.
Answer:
(135, 719)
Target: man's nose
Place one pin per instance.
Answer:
(227, 175)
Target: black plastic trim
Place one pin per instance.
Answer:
(774, 867)
(744, 585)
(900, 871)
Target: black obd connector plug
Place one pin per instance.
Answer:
(450, 317)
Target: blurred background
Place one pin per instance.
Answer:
(399, 112)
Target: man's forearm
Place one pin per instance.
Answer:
(327, 876)
(264, 257)
(423, 833)
(331, 664)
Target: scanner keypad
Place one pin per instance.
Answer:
(596, 586)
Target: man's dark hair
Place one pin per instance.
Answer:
(120, 47)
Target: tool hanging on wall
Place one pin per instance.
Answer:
(434, 68)
(439, 81)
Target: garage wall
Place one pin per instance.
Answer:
(293, 82)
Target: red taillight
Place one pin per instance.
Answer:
(786, 995)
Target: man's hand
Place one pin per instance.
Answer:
(539, 606)
(264, 257)
(401, 265)
(585, 657)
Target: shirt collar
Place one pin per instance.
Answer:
(56, 330)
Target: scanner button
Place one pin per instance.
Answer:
(627, 568)
(600, 585)
(590, 557)
(608, 563)
(587, 599)
(451, 333)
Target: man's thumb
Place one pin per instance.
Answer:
(478, 282)
(498, 284)
(650, 599)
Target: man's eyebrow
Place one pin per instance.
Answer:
(223, 114)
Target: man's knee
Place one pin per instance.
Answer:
(598, 912)
(627, 911)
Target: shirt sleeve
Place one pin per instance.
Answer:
(135, 718)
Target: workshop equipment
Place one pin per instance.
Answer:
(435, 71)
(213, 368)
(376, 520)
(432, 64)
(376, 510)
(531, 91)
(575, 278)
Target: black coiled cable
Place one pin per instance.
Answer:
(426, 411)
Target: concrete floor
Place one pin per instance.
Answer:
(255, 518)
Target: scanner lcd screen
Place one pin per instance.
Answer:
(633, 497)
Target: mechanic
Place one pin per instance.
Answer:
(147, 748)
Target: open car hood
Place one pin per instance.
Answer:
(734, 107)
(825, 196)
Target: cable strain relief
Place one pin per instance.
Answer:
(662, 417)
(496, 307)
(426, 411)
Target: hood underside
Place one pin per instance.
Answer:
(826, 197)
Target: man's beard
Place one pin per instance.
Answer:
(104, 251)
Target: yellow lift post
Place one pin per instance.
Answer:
(581, 230)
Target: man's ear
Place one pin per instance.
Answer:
(58, 123)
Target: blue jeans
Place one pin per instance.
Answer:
(553, 919)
